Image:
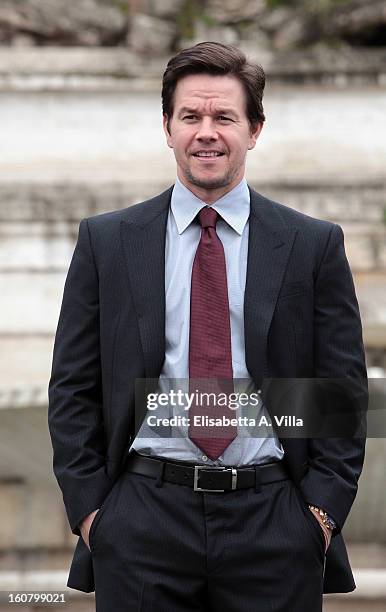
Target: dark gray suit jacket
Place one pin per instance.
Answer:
(301, 321)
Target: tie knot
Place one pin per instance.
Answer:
(208, 217)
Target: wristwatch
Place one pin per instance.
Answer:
(326, 520)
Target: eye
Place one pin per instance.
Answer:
(189, 117)
(224, 118)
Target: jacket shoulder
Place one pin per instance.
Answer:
(304, 221)
(134, 213)
(291, 217)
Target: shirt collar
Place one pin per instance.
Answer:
(233, 207)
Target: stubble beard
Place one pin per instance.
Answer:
(211, 183)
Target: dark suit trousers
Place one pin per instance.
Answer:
(171, 549)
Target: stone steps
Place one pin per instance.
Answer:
(82, 68)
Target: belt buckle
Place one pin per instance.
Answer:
(217, 468)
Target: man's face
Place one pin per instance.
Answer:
(210, 133)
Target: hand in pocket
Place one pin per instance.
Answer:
(85, 527)
(326, 531)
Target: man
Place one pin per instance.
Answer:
(208, 280)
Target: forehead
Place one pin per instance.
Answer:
(209, 90)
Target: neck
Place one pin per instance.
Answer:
(209, 196)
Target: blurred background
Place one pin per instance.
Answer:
(80, 134)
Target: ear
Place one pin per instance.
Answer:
(255, 132)
(167, 133)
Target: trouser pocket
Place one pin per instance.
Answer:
(94, 529)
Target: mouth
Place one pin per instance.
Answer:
(208, 155)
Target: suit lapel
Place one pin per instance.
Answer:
(269, 247)
(143, 237)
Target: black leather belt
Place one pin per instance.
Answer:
(213, 479)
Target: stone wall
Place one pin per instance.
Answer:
(154, 27)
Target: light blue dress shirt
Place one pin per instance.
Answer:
(182, 238)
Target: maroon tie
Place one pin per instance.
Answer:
(210, 356)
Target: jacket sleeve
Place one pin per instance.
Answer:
(75, 415)
(335, 463)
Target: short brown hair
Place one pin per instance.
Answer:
(217, 59)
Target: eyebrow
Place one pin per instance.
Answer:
(195, 111)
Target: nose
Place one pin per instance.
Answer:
(207, 130)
